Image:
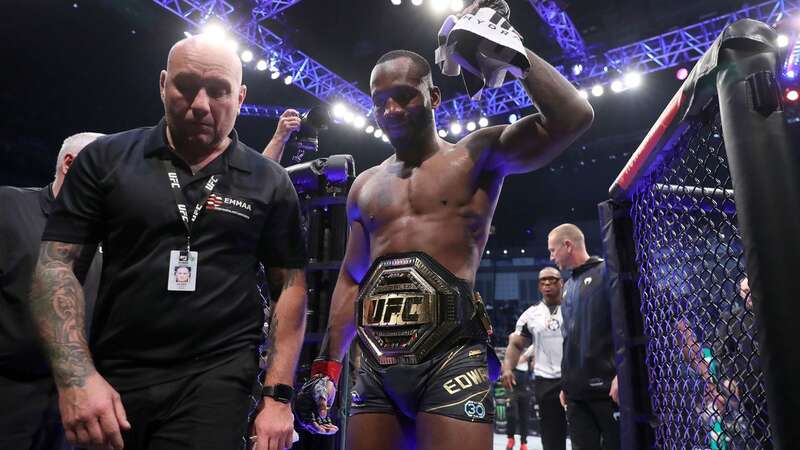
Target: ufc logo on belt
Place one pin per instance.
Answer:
(397, 310)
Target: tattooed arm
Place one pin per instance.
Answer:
(288, 324)
(57, 304)
(90, 408)
(274, 424)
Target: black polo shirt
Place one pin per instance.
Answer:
(118, 192)
(22, 221)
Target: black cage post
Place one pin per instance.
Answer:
(766, 179)
(635, 418)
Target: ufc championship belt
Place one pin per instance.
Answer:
(410, 306)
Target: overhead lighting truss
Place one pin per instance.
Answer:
(660, 52)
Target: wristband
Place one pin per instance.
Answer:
(327, 367)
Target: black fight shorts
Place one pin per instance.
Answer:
(454, 384)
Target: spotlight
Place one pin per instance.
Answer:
(682, 73)
(247, 56)
(261, 65)
(287, 80)
(378, 133)
(439, 5)
(483, 121)
(232, 45)
(471, 126)
(790, 73)
(275, 75)
(792, 95)
(456, 5)
(443, 133)
(214, 31)
(347, 117)
(505, 252)
(397, 2)
(512, 118)
(416, 2)
(384, 138)
(369, 129)
(597, 90)
(185, 33)
(577, 69)
(583, 94)
(338, 110)
(359, 122)
(782, 40)
(633, 79)
(488, 252)
(522, 251)
(617, 86)
(455, 128)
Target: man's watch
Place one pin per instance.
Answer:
(280, 392)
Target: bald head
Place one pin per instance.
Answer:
(568, 231)
(202, 92)
(209, 52)
(567, 246)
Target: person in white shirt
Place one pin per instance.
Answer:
(540, 327)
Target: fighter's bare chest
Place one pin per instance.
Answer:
(415, 192)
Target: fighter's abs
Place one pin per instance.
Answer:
(436, 209)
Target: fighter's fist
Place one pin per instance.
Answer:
(288, 123)
(313, 405)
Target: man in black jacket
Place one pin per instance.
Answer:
(588, 370)
(29, 419)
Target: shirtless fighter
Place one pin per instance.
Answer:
(419, 222)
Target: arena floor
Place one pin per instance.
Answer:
(534, 443)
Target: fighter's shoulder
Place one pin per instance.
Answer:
(363, 178)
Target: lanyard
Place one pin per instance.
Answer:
(180, 199)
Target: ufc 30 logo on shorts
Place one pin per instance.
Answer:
(474, 410)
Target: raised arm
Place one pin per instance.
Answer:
(288, 123)
(535, 140)
(91, 409)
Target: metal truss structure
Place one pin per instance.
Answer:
(266, 9)
(660, 52)
(306, 73)
(561, 27)
(270, 111)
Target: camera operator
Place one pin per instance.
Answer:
(288, 123)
